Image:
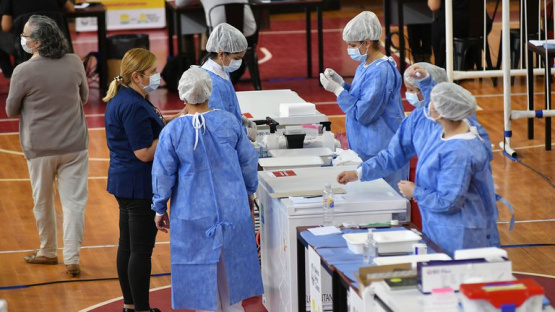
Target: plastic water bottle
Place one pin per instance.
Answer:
(328, 204)
(370, 248)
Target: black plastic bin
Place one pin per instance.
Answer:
(118, 45)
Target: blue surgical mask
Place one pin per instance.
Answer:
(154, 83)
(24, 45)
(413, 99)
(354, 53)
(233, 65)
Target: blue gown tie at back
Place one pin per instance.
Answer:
(216, 232)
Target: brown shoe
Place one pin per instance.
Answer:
(34, 259)
(73, 269)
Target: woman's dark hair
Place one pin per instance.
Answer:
(210, 55)
(53, 43)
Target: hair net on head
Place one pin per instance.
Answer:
(195, 86)
(364, 26)
(226, 38)
(452, 101)
(438, 74)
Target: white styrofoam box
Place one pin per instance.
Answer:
(355, 241)
(395, 241)
(279, 163)
(410, 259)
(296, 109)
(479, 253)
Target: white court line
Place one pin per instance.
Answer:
(527, 221)
(520, 148)
(118, 298)
(27, 179)
(83, 247)
(267, 55)
(534, 274)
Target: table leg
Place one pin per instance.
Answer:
(387, 21)
(339, 293)
(402, 64)
(320, 40)
(548, 105)
(103, 51)
(169, 18)
(177, 20)
(530, 92)
(301, 280)
(308, 44)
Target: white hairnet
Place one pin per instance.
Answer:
(364, 26)
(438, 74)
(226, 38)
(195, 86)
(452, 101)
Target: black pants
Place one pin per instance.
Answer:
(136, 241)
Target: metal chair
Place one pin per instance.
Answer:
(234, 13)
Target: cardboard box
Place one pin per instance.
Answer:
(441, 274)
(367, 275)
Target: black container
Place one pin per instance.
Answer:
(295, 140)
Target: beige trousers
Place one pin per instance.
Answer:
(71, 171)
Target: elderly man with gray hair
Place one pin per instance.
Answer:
(48, 93)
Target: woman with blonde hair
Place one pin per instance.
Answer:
(133, 125)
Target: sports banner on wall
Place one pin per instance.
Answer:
(127, 14)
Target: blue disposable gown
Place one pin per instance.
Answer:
(373, 109)
(210, 212)
(417, 136)
(455, 194)
(223, 95)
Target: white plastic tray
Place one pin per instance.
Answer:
(355, 241)
(279, 163)
(395, 241)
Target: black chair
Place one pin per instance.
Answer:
(58, 17)
(515, 41)
(468, 50)
(234, 13)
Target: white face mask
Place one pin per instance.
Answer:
(354, 53)
(413, 99)
(427, 114)
(154, 83)
(24, 45)
(233, 65)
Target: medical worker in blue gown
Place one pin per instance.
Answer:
(420, 78)
(454, 184)
(372, 102)
(226, 46)
(206, 165)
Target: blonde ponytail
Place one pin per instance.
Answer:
(112, 89)
(134, 60)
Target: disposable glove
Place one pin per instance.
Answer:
(330, 85)
(331, 74)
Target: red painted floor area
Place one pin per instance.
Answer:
(285, 69)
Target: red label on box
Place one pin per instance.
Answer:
(287, 173)
(248, 115)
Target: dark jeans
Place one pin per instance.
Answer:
(136, 241)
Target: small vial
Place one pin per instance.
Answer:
(328, 204)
